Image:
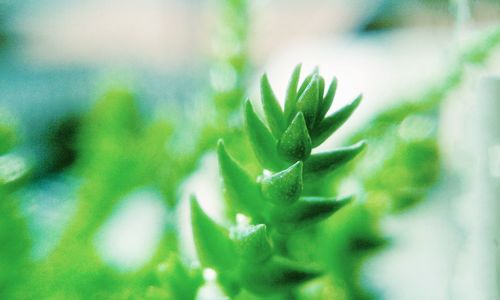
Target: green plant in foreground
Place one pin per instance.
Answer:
(256, 257)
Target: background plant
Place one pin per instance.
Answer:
(13, 227)
(120, 150)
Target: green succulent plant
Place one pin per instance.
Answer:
(253, 254)
(271, 255)
(291, 240)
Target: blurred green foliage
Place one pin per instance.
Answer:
(118, 152)
(118, 149)
(8, 134)
(231, 62)
(403, 159)
(14, 237)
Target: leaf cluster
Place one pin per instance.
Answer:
(251, 254)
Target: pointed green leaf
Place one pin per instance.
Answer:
(330, 124)
(252, 243)
(327, 101)
(304, 85)
(309, 101)
(242, 191)
(272, 109)
(321, 88)
(319, 164)
(291, 94)
(306, 211)
(263, 142)
(295, 144)
(306, 82)
(275, 275)
(213, 246)
(285, 187)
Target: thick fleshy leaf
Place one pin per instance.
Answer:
(291, 94)
(263, 142)
(321, 89)
(319, 164)
(213, 245)
(272, 109)
(252, 243)
(330, 124)
(285, 187)
(295, 143)
(306, 82)
(275, 275)
(325, 105)
(309, 101)
(306, 211)
(242, 192)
